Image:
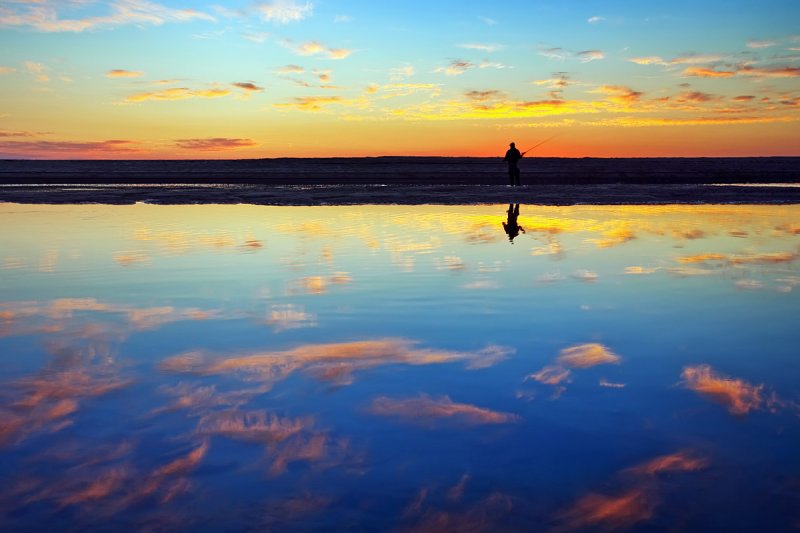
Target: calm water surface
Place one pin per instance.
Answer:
(395, 367)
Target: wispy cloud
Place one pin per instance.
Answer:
(311, 103)
(122, 73)
(7, 70)
(483, 47)
(311, 48)
(38, 70)
(595, 19)
(483, 96)
(619, 94)
(590, 55)
(291, 69)
(488, 21)
(177, 93)
(759, 44)
(255, 36)
(213, 144)
(456, 67)
(56, 149)
(285, 11)
(401, 73)
(561, 54)
(44, 16)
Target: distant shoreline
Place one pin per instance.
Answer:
(407, 171)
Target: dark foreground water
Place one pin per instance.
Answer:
(394, 367)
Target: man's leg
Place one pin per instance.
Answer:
(516, 176)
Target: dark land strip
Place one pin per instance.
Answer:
(402, 180)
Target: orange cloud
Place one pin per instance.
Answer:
(214, 144)
(619, 94)
(427, 409)
(70, 149)
(705, 72)
(737, 395)
(177, 93)
(311, 103)
(248, 86)
(311, 48)
(121, 73)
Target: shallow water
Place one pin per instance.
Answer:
(395, 367)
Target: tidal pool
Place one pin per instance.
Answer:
(394, 367)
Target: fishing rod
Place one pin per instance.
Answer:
(538, 145)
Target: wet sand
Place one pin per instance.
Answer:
(403, 180)
(569, 194)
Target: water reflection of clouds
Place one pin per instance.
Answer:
(335, 362)
(580, 356)
(47, 400)
(78, 317)
(426, 410)
(637, 500)
(739, 396)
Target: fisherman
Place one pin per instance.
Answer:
(511, 226)
(512, 158)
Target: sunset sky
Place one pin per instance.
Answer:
(144, 79)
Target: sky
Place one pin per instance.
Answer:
(138, 79)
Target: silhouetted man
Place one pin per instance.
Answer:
(511, 227)
(512, 158)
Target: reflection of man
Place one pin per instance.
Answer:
(511, 226)
(512, 158)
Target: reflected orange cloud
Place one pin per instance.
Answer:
(482, 515)
(580, 356)
(587, 355)
(251, 426)
(425, 409)
(100, 488)
(702, 258)
(634, 504)
(77, 317)
(610, 512)
(675, 462)
(640, 270)
(335, 362)
(289, 316)
(739, 396)
(551, 375)
(184, 465)
(321, 449)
